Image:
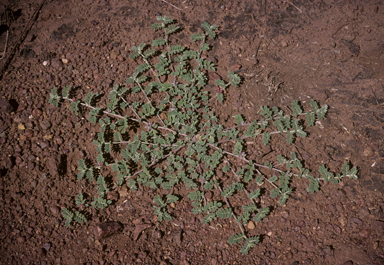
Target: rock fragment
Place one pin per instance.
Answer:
(29, 37)
(55, 210)
(104, 230)
(45, 125)
(5, 106)
(138, 229)
(365, 233)
(47, 246)
(56, 63)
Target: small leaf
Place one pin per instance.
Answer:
(68, 216)
(80, 218)
(172, 198)
(159, 42)
(313, 185)
(224, 213)
(311, 118)
(234, 79)
(275, 193)
(210, 29)
(253, 195)
(220, 83)
(66, 91)
(195, 195)
(273, 179)
(321, 112)
(262, 213)
(249, 208)
(314, 105)
(159, 201)
(250, 243)
(198, 37)
(239, 119)
(259, 179)
(296, 109)
(208, 218)
(266, 112)
(266, 138)
(236, 238)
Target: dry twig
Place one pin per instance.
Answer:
(171, 5)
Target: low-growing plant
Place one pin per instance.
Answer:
(171, 137)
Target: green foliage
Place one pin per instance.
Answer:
(254, 194)
(210, 30)
(68, 216)
(198, 37)
(80, 201)
(236, 238)
(84, 171)
(80, 218)
(54, 97)
(266, 138)
(162, 214)
(170, 137)
(224, 213)
(195, 195)
(89, 97)
(296, 109)
(234, 79)
(250, 243)
(102, 187)
(100, 203)
(262, 213)
(66, 91)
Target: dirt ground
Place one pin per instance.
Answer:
(328, 50)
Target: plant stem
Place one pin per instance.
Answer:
(229, 206)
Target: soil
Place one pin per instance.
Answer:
(328, 50)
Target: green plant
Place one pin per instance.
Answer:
(171, 137)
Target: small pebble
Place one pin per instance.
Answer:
(363, 213)
(5, 106)
(56, 63)
(20, 239)
(365, 233)
(251, 225)
(29, 37)
(376, 245)
(367, 152)
(355, 220)
(55, 210)
(45, 125)
(47, 246)
(337, 229)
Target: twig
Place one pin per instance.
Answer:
(171, 5)
(374, 95)
(294, 6)
(122, 117)
(154, 162)
(229, 206)
(333, 35)
(21, 39)
(5, 48)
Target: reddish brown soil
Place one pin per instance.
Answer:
(329, 50)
